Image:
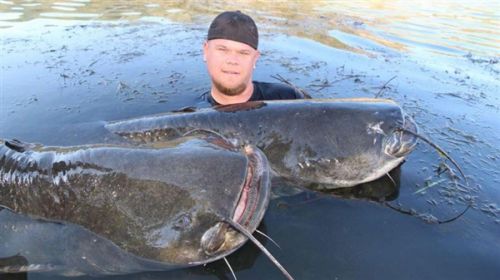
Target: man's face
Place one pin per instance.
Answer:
(230, 64)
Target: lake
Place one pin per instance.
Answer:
(67, 67)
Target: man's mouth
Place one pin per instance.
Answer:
(229, 72)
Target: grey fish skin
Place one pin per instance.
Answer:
(321, 143)
(156, 205)
(63, 248)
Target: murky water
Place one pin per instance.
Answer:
(69, 66)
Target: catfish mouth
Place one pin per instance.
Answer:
(400, 143)
(249, 198)
(249, 209)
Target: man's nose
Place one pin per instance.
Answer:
(232, 59)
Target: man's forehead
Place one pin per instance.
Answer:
(230, 44)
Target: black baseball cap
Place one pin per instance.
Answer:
(235, 26)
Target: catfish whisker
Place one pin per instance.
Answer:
(392, 180)
(458, 216)
(267, 236)
(441, 152)
(439, 149)
(230, 268)
(245, 232)
(415, 214)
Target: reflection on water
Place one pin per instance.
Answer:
(454, 28)
(14, 261)
(385, 188)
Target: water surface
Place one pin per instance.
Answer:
(69, 66)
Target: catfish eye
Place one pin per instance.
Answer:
(182, 222)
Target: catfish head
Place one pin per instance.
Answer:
(355, 143)
(236, 189)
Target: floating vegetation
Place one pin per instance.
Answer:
(428, 185)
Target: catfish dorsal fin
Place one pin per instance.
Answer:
(2, 207)
(18, 145)
(188, 109)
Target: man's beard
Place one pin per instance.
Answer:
(229, 91)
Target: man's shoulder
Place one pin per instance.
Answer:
(274, 91)
(205, 100)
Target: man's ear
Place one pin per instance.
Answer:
(257, 55)
(205, 50)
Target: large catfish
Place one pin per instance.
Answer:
(321, 143)
(110, 209)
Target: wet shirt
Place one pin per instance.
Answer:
(261, 91)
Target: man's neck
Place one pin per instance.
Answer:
(228, 99)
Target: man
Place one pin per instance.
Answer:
(231, 54)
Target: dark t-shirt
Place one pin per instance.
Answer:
(262, 91)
